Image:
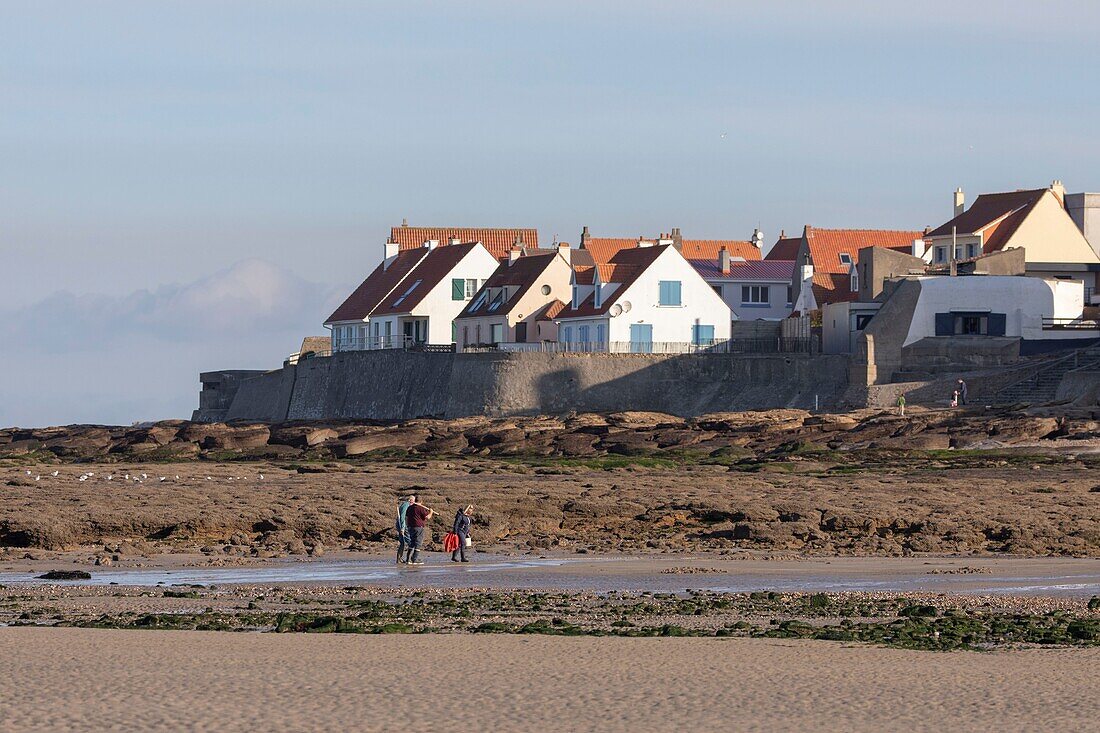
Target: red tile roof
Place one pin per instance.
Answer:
(785, 248)
(628, 264)
(430, 271)
(377, 286)
(762, 270)
(998, 215)
(604, 248)
(707, 249)
(550, 311)
(520, 275)
(826, 245)
(497, 241)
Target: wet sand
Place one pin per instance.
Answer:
(95, 680)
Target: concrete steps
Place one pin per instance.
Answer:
(1043, 385)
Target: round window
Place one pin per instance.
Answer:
(545, 289)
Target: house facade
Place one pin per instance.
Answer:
(754, 291)
(1036, 221)
(512, 306)
(644, 298)
(412, 298)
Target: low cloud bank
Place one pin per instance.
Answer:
(119, 359)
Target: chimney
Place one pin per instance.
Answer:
(724, 260)
(405, 223)
(1059, 191)
(514, 254)
(454, 240)
(677, 240)
(960, 202)
(391, 250)
(431, 244)
(565, 251)
(584, 237)
(918, 248)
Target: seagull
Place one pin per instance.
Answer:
(127, 477)
(261, 477)
(209, 479)
(55, 473)
(28, 473)
(145, 475)
(109, 477)
(37, 477)
(162, 478)
(177, 477)
(723, 136)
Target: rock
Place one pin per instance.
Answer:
(237, 438)
(397, 438)
(66, 575)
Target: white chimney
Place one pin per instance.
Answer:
(1059, 191)
(454, 240)
(918, 248)
(514, 254)
(391, 250)
(431, 244)
(960, 202)
(565, 251)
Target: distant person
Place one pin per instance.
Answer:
(403, 527)
(462, 529)
(962, 392)
(901, 405)
(955, 398)
(416, 517)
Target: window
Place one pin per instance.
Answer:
(406, 294)
(941, 254)
(862, 319)
(669, 292)
(959, 252)
(717, 289)
(496, 332)
(853, 283)
(463, 289)
(754, 295)
(576, 297)
(702, 335)
(502, 296)
(845, 259)
(597, 299)
(967, 325)
(972, 250)
(790, 295)
(480, 300)
(545, 289)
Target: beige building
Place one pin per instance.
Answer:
(1035, 221)
(518, 302)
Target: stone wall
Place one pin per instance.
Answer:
(393, 385)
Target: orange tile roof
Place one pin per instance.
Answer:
(707, 249)
(550, 311)
(628, 265)
(497, 241)
(826, 245)
(604, 248)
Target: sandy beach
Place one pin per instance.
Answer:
(96, 680)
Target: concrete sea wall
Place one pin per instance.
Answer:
(397, 385)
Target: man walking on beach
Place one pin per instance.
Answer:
(403, 528)
(416, 517)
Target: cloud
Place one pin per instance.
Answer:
(122, 358)
(250, 296)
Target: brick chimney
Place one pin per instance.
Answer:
(724, 260)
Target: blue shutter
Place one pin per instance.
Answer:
(670, 292)
(945, 324)
(997, 324)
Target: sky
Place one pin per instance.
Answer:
(193, 185)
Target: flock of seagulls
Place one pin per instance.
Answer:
(136, 477)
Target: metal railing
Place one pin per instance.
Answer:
(1070, 324)
(368, 343)
(774, 345)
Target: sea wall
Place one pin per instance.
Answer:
(396, 385)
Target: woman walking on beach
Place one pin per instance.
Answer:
(462, 529)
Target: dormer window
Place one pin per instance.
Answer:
(845, 259)
(406, 294)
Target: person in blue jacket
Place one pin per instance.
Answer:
(403, 528)
(462, 529)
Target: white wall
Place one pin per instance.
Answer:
(438, 307)
(1024, 300)
(671, 324)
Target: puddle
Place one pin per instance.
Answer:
(497, 572)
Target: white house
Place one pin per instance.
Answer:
(642, 299)
(412, 298)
